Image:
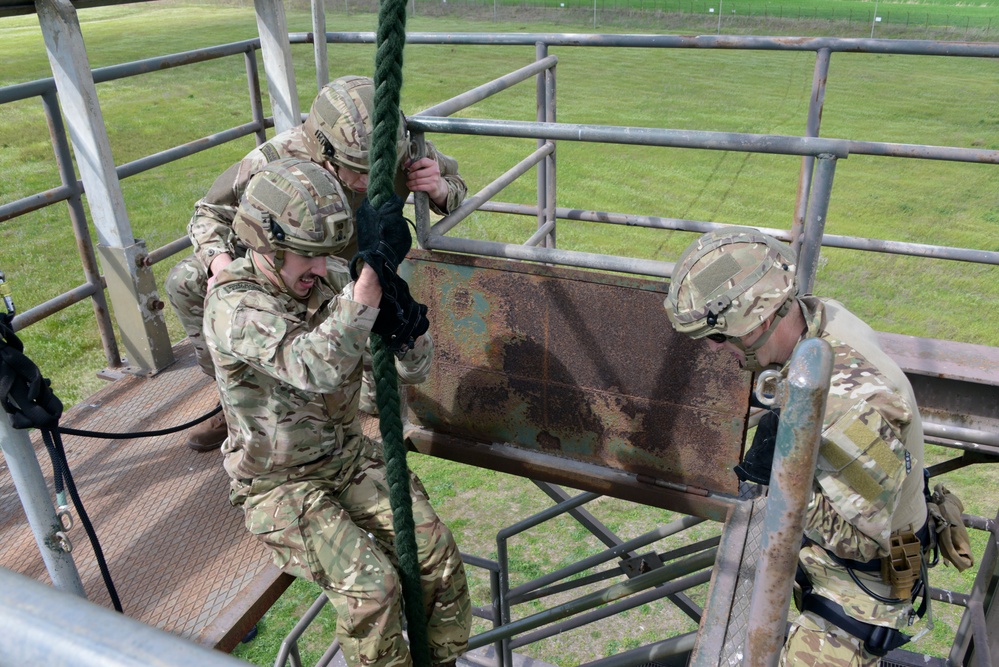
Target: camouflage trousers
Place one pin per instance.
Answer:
(335, 528)
(186, 288)
(814, 642)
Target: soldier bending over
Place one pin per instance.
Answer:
(737, 288)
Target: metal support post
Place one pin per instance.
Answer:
(421, 200)
(144, 331)
(37, 504)
(811, 130)
(807, 388)
(541, 52)
(550, 159)
(815, 224)
(131, 281)
(319, 43)
(256, 104)
(276, 50)
(78, 217)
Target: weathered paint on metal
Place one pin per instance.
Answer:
(790, 489)
(576, 364)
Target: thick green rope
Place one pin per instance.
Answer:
(388, 84)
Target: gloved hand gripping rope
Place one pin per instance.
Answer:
(383, 244)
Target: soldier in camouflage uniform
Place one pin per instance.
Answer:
(737, 288)
(335, 134)
(286, 329)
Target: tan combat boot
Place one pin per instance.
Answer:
(208, 435)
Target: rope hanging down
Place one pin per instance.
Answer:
(27, 397)
(391, 38)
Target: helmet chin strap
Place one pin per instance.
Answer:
(274, 266)
(752, 363)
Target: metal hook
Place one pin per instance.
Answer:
(770, 388)
(64, 542)
(65, 517)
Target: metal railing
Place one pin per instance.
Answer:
(71, 190)
(819, 158)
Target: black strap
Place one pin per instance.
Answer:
(878, 639)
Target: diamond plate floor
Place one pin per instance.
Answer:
(177, 551)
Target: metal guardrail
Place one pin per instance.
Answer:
(819, 158)
(43, 626)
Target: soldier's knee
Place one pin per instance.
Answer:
(186, 284)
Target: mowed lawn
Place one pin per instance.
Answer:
(905, 99)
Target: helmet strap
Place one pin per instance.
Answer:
(750, 350)
(274, 266)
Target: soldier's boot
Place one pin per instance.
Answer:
(208, 435)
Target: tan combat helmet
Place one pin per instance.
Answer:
(294, 204)
(339, 125)
(729, 282)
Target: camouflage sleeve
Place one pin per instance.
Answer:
(455, 183)
(456, 188)
(861, 466)
(414, 367)
(260, 332)
(210, 229)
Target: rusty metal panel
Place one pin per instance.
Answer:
(575, 363)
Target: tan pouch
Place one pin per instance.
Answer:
(945, 510)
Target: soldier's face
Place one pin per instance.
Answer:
(299, 273)
(764, 355)
(350, 179)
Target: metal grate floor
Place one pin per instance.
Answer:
(178, 553)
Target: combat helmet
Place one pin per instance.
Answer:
(339, 125)
(729, 282)
(293, 204)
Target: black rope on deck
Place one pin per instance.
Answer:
(29, 400)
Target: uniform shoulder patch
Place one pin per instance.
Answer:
(241, 286)
(270, 152)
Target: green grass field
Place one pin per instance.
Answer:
(944, 101)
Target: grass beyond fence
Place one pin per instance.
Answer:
(903, 99)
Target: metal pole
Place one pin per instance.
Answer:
(811, 245)
(811, 130)
(421, 200)
(549, 163)
(34, 495)
(790, 489)
(78, 218)
(541, 101)
(319, 43)
(256, 104)
(272, 25)
(42, 626)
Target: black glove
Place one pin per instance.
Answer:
(401, 319)
(383, 239)
(756, 464)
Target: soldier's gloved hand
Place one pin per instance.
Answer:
(759, 459)
(401, 319)
(383, 239)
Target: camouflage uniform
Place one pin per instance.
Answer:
(312, 487)
(211, 232)
(868, 483)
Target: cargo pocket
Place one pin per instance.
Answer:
(278, 517)
(860, 468)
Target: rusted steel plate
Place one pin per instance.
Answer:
(575, 363)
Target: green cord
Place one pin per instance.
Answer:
(390, 41)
